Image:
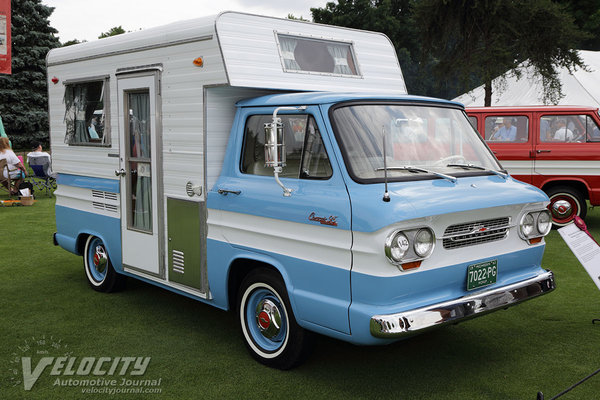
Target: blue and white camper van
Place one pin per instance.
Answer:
(230, 168)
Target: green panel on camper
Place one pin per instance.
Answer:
(185, 247)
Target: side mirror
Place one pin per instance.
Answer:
(274, 144)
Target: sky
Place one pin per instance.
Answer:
(87, 19)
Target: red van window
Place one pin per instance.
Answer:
(569, 129)
(473, 121)
(507, 128)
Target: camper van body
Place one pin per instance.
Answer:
(159, 179)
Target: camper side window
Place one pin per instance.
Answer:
(85, 114)
(303, 54)
(305, 152)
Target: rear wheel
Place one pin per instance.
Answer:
(565, 204)
(267, 322)
(98, 268)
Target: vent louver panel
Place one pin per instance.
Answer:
(178, 261)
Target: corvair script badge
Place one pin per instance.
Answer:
(332, 220)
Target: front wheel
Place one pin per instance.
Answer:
(267, 322)
(565, 204)
(98, 268)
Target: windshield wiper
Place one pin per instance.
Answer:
(419, 169)
(473, 166)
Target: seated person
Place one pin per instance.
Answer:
(563, 134)
(545, 131)
(15, 167)
(507, 133)
(37, 151)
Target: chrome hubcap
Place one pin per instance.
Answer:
(561, 208)
(268, 318)
(100, 259)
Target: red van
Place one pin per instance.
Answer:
(556, 148)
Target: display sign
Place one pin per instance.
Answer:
(5, 41)
(585, 249)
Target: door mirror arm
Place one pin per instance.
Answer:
(275, 154)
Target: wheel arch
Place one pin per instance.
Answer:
(241, 266)
(578, 184)
(114, 253)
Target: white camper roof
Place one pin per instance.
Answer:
(256, 52)
(580, 87)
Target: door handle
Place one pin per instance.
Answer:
(120, 172)
(225, 192)
(543, 151)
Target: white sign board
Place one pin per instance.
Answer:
(585, 249)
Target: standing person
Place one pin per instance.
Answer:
(15, 167)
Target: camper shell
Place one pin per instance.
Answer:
(253, 163)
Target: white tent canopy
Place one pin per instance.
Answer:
(580, 88)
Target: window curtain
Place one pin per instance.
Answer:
(288, 45)
(139, 104)
(340, 57)
(75, 102)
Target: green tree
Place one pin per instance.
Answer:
(587, 18)
(392, 17)
(483, 39)
(300, 18)
(117, 30)
(72, 42)
(24, 94)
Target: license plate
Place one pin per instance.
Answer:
(482, 274)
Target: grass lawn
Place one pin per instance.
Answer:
(48, 309)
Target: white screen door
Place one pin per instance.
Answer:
(140, 230)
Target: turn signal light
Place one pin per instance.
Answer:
(411, 265)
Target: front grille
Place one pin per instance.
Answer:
(477, 232)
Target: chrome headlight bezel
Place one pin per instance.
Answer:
(539, 224)
(411, 254)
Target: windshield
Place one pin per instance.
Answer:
(420, 140)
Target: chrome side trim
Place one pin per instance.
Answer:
(412, 321)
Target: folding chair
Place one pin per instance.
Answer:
(41, 178)
(5, 181)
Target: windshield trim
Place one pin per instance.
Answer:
(407, 178)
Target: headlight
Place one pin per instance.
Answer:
(527, 225)
(407, 248)
(396, 247)
(423, 243)
(544, 222)
(535, 225)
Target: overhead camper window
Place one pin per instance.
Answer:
(311, 55)
(85, 113)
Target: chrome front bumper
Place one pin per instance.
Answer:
(412, 321)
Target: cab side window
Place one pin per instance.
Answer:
(306, 157)
(507, 128)
(569, 129)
